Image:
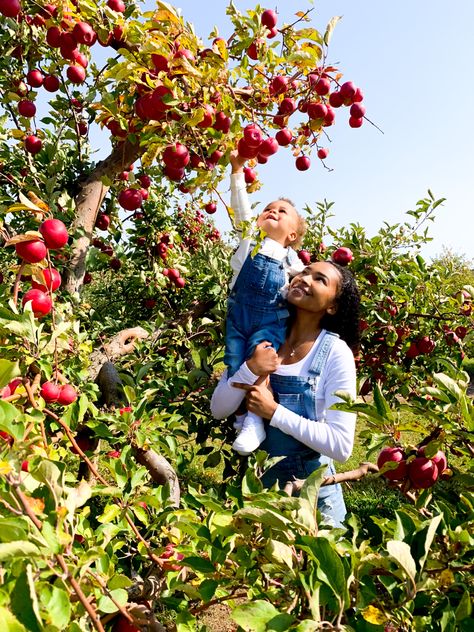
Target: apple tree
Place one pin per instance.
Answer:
(121, 505)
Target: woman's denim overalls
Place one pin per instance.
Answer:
(256, 310)
(298, 394)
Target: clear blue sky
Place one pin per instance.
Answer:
(414, 61)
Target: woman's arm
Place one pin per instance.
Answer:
(226, 398)
(334, 436)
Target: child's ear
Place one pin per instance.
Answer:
(292, 237)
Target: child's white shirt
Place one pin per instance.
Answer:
(240, 204)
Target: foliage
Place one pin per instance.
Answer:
(82, 521)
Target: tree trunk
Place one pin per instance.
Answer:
(88, 203)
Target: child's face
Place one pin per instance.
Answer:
(279, 220)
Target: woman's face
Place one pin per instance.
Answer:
(316, 288)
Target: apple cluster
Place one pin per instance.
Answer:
(34, 249)
(63, 394)
(421, 471)
(71, 38)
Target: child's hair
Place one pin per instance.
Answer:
(301, 226)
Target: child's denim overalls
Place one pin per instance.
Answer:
(256, 310)
(298, 394)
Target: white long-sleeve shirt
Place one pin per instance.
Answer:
(240, 204)
(333, 433)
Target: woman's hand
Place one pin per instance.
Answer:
(259, 398)
(264, 360)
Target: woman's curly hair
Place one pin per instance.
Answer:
(345, 321)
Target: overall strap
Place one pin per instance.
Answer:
(322, 353)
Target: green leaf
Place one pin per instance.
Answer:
(24, 602)
(464, 609)
(279, 553)
(381, 403)
(8, 371)
(119, 581)
(400, 551)
(8, 423)
(264, 516)
(59, 607)
(19, 548)
(110, 513)
(8, 623)
(330, 568)
(13, 529)
(105, 603)
(310, 488)
(199, 564)
(260, 616)
(448, 383)
(207, 589)
(424, 539)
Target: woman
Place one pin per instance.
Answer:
(314, 362)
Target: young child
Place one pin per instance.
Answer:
(256, 309)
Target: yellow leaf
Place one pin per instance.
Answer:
(35, 504)
(40, 205)
(30, 235)
(17, 133)
(165, 16)
(5, 468)
(374, 615)
(31, 201)
(446, 578)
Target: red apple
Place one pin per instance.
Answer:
(287, 106)
(396, 455)
(144, 180)
(222, 122)
(173, 274)
(322, 86)
(33, 144)
(357, 110)
(268, 147)
(26, 108)
(208, 119)
(50, 391)
(269, 18)
(336, 99)
(54, 233)
(323, 153)
(176, 156)
(83, 33)
(210, 207)
(174, 174)
(249, 175)
(347, 90)
(41, 303)
(461, 331)
(245, 151)
(67, 395)
(317, 110)
(102, 221)
(422, 472)
(116, 5)
(278, 85)
(34, 78)
(425, 345)
(284, 137)
(303, 163)
(304, 256)
(355, 122)
(122, 624)
(342, 256)
(180, 282)
(76, 74)
(252, 135)
(51, 83)
(130, 199)
(32, 251)
(53, 36)
(10, 8)
(52, 280)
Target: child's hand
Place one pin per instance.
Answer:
(264, 360)
(236, 161)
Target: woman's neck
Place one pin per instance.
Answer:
(306, 326)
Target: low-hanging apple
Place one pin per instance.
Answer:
(54, 233)
(67, 395)
(32, 251)
(304, 256)
(52, 280)
(422, 472)
(303, 163)
(41, 303)
(33, 144)
(343, 256)
(26, 108)
(50, 391)
(395, 455)
(130, 199)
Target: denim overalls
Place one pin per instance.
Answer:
(298, 394)
(256, 310)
